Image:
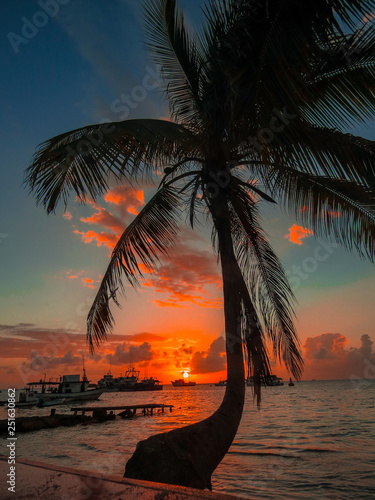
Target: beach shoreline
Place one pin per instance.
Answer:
(44, 481)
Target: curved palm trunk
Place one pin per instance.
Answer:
(189, 455)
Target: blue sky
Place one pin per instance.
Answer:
(69, 74)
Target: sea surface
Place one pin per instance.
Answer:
(315, 440)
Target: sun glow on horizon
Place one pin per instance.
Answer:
(185, 374)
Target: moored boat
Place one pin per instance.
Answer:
(129, 382)
(182, 383)
(221, 383)
(69, 387)
(26, 398)
(148, 384)
(273, 380)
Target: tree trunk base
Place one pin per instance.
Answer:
(186, 456)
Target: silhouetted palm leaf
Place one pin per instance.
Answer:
(83, 160)
(150, 235)
(175, 50)
(337, 208)
(267, 282)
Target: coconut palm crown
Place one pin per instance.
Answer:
(261, 98)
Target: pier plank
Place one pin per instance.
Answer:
(144, 407)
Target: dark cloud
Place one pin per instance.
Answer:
(15, 327)
(213, 360)
(39, 363)
(182, 356)
(325, 346)
(328, 357)
(129, 354)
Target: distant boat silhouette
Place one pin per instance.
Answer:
(291, 382)
(272, 380)
(182, 383)
(221, 383)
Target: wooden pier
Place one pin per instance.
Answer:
(126, 411)
(100, 414)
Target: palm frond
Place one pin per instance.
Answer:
(255, 343)
(150, 235)
(337, 209)
(278, 47)
(317, 151)
(172, 47)
(82, 160)
(341, 89)
(269, 287)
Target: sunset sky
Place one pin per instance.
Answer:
(84, 64)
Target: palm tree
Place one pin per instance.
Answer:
(259, 99)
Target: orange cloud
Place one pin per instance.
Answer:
(88, 282)
(106, 219)
(67, 215)
(107, 239)
(185, 277)
(297, 233)
(126, 198)
(163, 303)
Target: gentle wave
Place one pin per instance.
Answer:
(262, 453)
(333, 442)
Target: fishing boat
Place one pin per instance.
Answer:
(68, 387)
(108, 382)
(148, 384)
(23, 398)
(182, 383)
(129, 382)
(26, 398)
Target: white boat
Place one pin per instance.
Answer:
(69, 387)
(26, 399)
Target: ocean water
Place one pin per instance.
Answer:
(313, 440)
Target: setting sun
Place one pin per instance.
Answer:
(185, 375)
